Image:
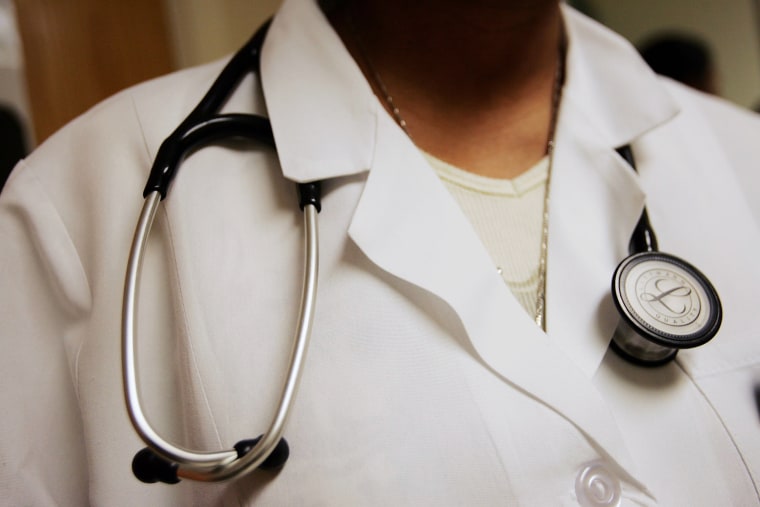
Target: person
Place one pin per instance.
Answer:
(429, 379)
(14, 143)
(685, 58)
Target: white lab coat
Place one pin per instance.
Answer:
(426, 382)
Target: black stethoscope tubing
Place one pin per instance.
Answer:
(644, 336)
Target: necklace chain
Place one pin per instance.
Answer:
(559, 75)
(559, 79)
(376, 80)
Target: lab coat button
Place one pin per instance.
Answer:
(597, 486)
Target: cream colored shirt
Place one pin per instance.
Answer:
(507, 216)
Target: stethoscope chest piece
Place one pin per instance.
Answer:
(665, 304)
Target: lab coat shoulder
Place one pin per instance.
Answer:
(737, 130)
(71, 188)
(66, 216)
(70, 182)
(135, 119)
(42, 289)
(700, 176)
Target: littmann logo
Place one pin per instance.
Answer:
(668, 297)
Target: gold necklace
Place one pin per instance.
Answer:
(559, 81)
(375, 76)
(559, 77)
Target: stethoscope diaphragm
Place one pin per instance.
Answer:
(666, 304)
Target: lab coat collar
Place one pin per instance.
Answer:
(617, 92)
(325, 119)
(423, 238)
(610, 99)
(323, 111)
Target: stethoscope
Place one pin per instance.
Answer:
(161, 460)
(665, 303)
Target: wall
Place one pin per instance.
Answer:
(730, 27)
(78, 52)
(203, 30)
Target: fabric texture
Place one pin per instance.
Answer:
(426, 382)
(508, 215)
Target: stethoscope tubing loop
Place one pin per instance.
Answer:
(272, 436)
(214, 465)
(182, 143)
(129, 351)
(201, 128)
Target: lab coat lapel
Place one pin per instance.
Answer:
(407, 223)
(422, 237)
(595, 202)
(595, 196)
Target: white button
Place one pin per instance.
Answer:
(597, 486)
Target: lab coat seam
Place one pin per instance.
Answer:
(723, 424)
(62, 222)
(704, 107)
(487, 430)
(583, 81)
(609, 147)
(77, 313)
(697, 373)
(141, 127)
(182, 310)
(632, 136)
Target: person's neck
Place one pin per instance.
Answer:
(473, 80)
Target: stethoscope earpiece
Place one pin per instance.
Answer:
(274, 461)
(149, 467)
(665, 304)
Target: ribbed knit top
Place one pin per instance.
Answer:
(507, 215)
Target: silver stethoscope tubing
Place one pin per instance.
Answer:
(221, 465)
(162, 460)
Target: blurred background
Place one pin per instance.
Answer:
(60, 57)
